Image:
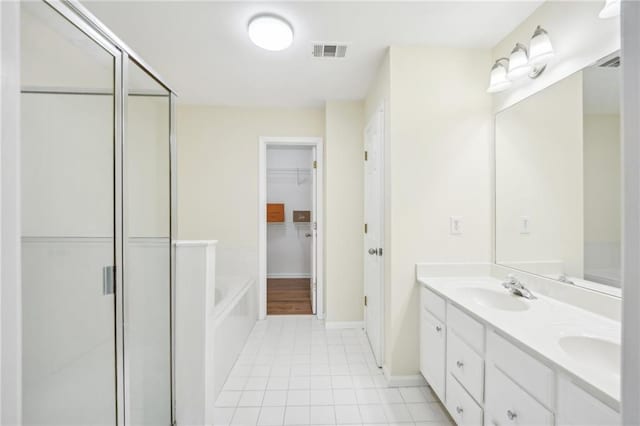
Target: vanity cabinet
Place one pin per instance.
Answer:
(433, 343)
(483, 378)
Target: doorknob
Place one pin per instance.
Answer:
(308, 235)
(373, 251)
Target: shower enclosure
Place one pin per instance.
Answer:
(97, 151)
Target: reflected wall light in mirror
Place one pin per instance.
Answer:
(611, 9)
(522, 61)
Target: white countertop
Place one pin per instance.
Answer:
(539, 328)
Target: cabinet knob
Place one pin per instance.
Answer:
(459, 409)
(460, 364)
(511, 415)
(438, 328)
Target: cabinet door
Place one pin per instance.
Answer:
(432, 352)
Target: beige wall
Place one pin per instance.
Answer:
(344, 210)
(579, 39)
(438, 165)
(539, 174)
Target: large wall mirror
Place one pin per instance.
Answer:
(558, 180)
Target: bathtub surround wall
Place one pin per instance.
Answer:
(438, 140)
(577, 42)
(344, 216)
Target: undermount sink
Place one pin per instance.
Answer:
(503, 301)
(602, 354)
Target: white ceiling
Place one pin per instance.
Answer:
(203, 52)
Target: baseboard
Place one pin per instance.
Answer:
(289, 275)
(336, 325)
(403, 381)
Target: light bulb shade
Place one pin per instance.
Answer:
(498, 80)
(540, 48)
(270, 32)
(611, 9)
(518, 63)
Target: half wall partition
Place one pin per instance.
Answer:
(97, 152)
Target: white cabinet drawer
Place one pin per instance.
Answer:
(433, 303)
(579, 408)
(432, 352)
(470, 330)
(528, 372)
(465, 364)
(460, 405)
(507, 404)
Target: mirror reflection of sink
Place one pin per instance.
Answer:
(503, 301)
(602, 354)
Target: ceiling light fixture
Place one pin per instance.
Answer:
(270, 32)
(611, 9)
(522, 62)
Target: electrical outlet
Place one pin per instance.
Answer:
(525, 225)
(455, 225)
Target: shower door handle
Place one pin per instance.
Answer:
(108, 280)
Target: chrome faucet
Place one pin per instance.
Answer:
(517, 288)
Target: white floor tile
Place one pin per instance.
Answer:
(373, 413)
(298, 397)
(278, 383)
(367, 396)
(274, 398)
(412, 395)
(251, 399)
(348, 414)
(271, 416)
(320, 382)
(223, 416)
(341, 382)
(256, 383)
(302, 382)
(323, 415)
(228, 398)
(398, 413)
(246, 416)
(296, 416)
(321, 397)
(425, 412)
(390, 396)
(344, 397)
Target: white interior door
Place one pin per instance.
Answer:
(374, 232)
(314, 235)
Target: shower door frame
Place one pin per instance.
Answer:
(86, 22)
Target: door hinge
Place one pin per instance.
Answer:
(365, 301)
(380, 251)
(366, 156)
(315, 164)
(366, 228)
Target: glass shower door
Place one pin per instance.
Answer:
(147, 253)
(68, 167)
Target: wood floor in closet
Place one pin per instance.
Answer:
(288, 296)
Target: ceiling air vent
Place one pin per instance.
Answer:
(329, 50)
(611, 63)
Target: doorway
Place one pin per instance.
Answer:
(374, 232)
(290, 228)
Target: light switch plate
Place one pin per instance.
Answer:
(525, 225)
(455, 225)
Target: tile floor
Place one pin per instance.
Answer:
(293, 371)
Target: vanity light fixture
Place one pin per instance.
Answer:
(498, 80)
(522, 62)
(611, 9)
(518, 62)
(270, 32)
